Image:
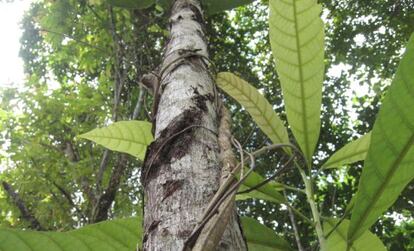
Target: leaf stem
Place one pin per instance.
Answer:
(315, 213)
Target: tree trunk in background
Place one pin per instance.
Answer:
(181, 171)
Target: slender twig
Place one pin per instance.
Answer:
(249, 136)
(140, 101)
(239, 147)
(118, 64)
(276, 174)
(294, 226)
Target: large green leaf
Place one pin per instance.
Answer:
(269, 191)
(337, 240)
(257, 106)
(297, 41)
(389, 165)
(116, 235)
(262, 238)
(132, 4)
(131, 137)
(350, 153)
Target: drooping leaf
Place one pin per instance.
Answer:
(269, 191)
(132, 4)
(337, 240)
(262, 238)
(116, 235)
(297, 41)
(131, 137)
(389, 165)
(350, 153)
(257, 106)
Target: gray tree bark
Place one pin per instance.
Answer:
(182, 169)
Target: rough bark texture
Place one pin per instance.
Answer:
(181, 171)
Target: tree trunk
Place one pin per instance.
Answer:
(181, 171)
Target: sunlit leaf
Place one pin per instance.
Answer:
(262, 238)
(116, 235)
(337, 239)
(131, 137)
(389, 165)
(257, 106)
(350, 153)
(297, 41)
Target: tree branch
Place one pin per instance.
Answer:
(100, 211)
(68, 197)
(26, 214)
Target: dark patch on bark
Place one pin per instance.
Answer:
(201, 100)
(151, 228)
(173, 142)
(170, 187)
(165, 232)
(153, 225)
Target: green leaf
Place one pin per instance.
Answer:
(262, 238)
(337, 240)
(116, 235)
(131, 137)
(268, 192)
(350, 153)
(257, 106)
(132, 4)
(297, 41)
(389, 165)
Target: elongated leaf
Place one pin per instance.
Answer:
(350, 153)
(296, 38)
(262, 238)
(131, 137)
(268, 192)
(389, 165)
(132, 4)
(337, 240)
(257, 106)
(116, 235)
